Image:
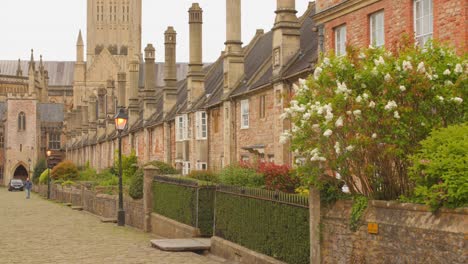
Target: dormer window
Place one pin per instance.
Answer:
(22, 121)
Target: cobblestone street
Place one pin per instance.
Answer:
(39, 231)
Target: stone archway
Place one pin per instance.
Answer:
(21, 173)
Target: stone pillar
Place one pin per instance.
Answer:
(149, 172)
(149, 92)
(314, 210)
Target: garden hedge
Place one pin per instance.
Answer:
(272, 228)
(179, 202)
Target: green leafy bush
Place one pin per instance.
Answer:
(87, 174)
(241, 176)
(38, 169)
(68, 183)
(440, 169)
(44, 177)
(361, 114)
(65, 170)
(359, 206)
(136, 185)
(129, 166)
(164, 168)
(207, 176)
(106, 178)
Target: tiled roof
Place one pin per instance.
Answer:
(60, 72)
(51, 112)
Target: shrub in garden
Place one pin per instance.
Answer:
(205, 175)
(440, 169)
(241, 176)
(360, 115)
(38, 169)
(136, 185)
(164, 168)
(65, 170)
(44, 177)
(278, 177)
(129, 166)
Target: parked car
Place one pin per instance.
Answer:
(16, 185)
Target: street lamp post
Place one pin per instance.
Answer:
(120, 123)
(48, 154)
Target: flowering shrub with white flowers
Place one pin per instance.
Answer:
(360, 115)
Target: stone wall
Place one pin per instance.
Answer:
(99, 204)
(407, 233)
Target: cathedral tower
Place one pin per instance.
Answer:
(115, 25)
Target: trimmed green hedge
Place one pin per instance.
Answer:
(274, 229)
(179, 203)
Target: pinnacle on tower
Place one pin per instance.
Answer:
(32, 64)
(79, 42)
(19, 71)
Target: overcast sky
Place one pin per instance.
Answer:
(51, 27)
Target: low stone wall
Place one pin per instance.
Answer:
(407, 233)
(166, 227)
(99, 204)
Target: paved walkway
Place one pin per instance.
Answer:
(39, 231)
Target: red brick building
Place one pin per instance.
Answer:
(385, 22)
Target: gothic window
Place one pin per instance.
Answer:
(123, 50)
(22, 121)
(98, 49)
(54, 141)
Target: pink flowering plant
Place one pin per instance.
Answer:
(360, 115)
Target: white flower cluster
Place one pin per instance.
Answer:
(285, 137)
(457, 100)
(421, 68)
(458, 68)
(342, 89)
(380, 61)
(407, 66)
(317, 73)
(391, 105)
(315, 153)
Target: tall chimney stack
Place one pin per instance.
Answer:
(121, 92)
(170, 70)
(149, 92)
(195, 77)
(286, 34)
(233, 55)
(133, 106)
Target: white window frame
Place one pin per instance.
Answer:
(420, 34)
(181, 124)
(245, 114)
(377, 28)
(185, 167)
(340, 40)
(202, 166)
(202, 125)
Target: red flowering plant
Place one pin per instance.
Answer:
(278, 177)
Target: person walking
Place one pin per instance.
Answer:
(28, 187)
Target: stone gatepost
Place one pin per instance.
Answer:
(149, 172)
(314, 210)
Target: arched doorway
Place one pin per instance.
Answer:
(21, 173)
